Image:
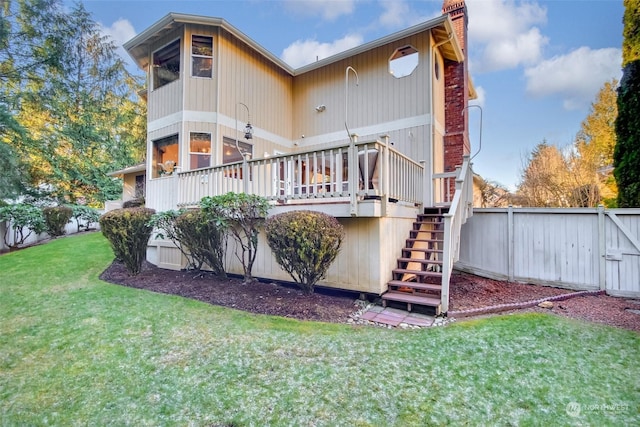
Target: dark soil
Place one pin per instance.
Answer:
(326, 305)
(258, 297)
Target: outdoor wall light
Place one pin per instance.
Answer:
(248, 131)
(321, 108)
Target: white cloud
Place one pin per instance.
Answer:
(482, 96)
(303, 52)
(505, 33)
(120, 31)
(327, 10)
(395, 13)
(576, 76)
(524, 48)
(400, 14)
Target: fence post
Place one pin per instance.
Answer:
(510, 244)
(602, 249)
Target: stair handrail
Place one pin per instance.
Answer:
(460, 210)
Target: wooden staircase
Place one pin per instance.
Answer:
(418, 277)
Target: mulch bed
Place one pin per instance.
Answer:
(467, 293)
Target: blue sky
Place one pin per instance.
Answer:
(537, 65)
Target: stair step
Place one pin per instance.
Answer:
(414, 240)
(425, 250)
(426, 231)
(419, 222)
(415, 285)
(420, 261)
(411, 299)
(416, 272)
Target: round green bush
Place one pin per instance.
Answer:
(56, 218)
(128, 230)
(304, 243)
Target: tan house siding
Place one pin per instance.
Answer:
(200, 92)
(264, 88)
(379, 99)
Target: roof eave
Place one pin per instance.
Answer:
(168, 21)
(443, 20)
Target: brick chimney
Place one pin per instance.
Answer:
(456, 82)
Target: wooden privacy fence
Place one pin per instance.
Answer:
(584, 249)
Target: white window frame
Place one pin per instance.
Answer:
(153, 58)
(194, 55)
(199, 153)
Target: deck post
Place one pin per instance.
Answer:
(353, 174)
(386, 178)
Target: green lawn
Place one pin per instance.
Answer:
(78, 351)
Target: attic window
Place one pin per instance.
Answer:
(403, 62)
(166, 64)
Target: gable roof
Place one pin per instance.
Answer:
(441, 27)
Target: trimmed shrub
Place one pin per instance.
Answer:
(305, 244)
(128, 231)
(242, 216)
(56, 218)
(19, 217)
(133, 203)
(200, 240)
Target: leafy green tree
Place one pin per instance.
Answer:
(627, 151)
(86, 214)
(592, 159)
(242, 215)
(631, 32)
(23, 220)
(72, 95)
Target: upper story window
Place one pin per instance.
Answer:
(403, 61)
(166, 64)
(202, 56)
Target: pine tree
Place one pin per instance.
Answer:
(627, 151)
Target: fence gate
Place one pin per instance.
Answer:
(622, 252)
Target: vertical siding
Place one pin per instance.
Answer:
(249, 78)
(379, 97)
(200, 93)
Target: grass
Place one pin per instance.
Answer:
(78, 351)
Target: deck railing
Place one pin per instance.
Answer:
(444, 186)
(349, 173)
(460, 209)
